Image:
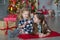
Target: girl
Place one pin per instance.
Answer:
(40, 26)
(24, 24)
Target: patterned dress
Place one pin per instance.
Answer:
(28, 27)
(39, 28)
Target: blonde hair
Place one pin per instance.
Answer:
(21, 12)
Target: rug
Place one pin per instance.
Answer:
(30, 36)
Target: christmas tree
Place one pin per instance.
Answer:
(15, 5)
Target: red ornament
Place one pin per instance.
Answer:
(38, 2)
(33, 7)
(27, 2)
(9, 7)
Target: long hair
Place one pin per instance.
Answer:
(43, 24)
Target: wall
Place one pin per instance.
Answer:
(44, 2)
(3, 9)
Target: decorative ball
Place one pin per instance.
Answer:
(33, 7)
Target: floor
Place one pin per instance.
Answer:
(3, 9)
(54, 24)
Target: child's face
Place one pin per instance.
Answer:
(35, 19)
(25, 14)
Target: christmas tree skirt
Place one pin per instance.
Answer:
(30, 36)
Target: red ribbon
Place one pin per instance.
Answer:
(8, 29)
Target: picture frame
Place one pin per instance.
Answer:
(2, 2)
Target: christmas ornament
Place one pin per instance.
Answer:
(33, 7)
(15, 5)
(56, 1)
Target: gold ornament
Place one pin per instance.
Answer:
(11, 9)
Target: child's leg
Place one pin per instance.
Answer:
(10, 34)
(14, 33)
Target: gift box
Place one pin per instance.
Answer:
(2, 32)
(10, 22)
(12, 25)
(2, 27)
(2, 24)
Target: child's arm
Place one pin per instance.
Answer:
(23, 25)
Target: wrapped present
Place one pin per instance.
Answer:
(2, 28)
(2, 24)
(2, 32)
(10, 22)
(12, 25)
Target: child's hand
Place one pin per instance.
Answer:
(22, 26)
(22, 31)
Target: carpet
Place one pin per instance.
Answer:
(30, 36)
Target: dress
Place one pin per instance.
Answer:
(28, 27)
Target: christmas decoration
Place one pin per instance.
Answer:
(33, 6)
(2, 26)
(11, 7)
(15, 5)
(2, 33)
(56, 2)
(10, 21)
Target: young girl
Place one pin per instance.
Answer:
(24, 24)
(40, 26)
